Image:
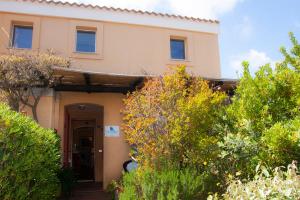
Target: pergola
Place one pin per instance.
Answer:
(81, 81)
(75, 80)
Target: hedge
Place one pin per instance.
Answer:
(29, 158)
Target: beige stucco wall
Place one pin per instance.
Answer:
(121, 48)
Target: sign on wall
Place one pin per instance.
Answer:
(112, 131)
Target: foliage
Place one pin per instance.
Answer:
(22, 73)
(170, 114)
(168, 184)
(238, 152)
(29, 158)
(292, 58)
(262, 123)
(269, 97)
(67, 179)
(113, 189)
(282, 185)
(281, 143)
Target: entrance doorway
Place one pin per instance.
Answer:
(83, 147)
(83, 152)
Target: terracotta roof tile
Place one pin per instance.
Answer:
(123, 10)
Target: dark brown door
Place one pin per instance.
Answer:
(83, 153)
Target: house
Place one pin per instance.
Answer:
(112, 50)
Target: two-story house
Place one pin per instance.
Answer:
(112, 50)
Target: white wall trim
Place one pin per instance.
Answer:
(44, 9)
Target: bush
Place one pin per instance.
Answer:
(262, 124)
(238, 152)
(29, 158)
(281, 143)
(170, 114)
(174, 184)
(67, 179)
(282, 185)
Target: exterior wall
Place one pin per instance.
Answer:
(121, 48)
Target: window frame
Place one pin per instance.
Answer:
(76, 37)
(184, 40)
(12, 43)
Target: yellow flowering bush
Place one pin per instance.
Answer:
(172, 118)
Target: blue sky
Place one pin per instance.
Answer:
(255, 30)
(252, 30)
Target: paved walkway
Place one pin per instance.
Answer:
(89, 191)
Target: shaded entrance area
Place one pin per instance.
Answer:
(90, 191)
(83, 141)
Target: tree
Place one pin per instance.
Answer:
(293, 58)
(264, 119)
(172, 118)
(24, 77)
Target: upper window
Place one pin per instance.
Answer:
(86, 41)
(22, 37)
(177, 49)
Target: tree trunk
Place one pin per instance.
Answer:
(36, 99)
(13, 103)
(34, 113)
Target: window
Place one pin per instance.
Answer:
(86, 41)
(22, 37)
(177, 49)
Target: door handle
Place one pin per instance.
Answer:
(100, 150)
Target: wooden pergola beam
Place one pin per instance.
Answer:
(93, 88)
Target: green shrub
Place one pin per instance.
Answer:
(148, 184)
(282, 185)
(262, 123)
(129, 183)
(238, 152)
(281, 143)
(29, 158)
(67, 179)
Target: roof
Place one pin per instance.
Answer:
(108, 14)
(82, 5)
